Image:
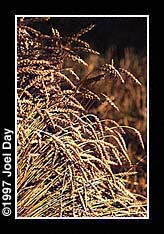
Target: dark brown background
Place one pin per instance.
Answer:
(119, 31)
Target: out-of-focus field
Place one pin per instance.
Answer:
(130, 98)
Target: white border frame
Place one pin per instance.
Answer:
(99, 218)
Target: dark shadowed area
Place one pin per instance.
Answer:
(121, 32)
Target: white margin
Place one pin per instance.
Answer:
(148, 190)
